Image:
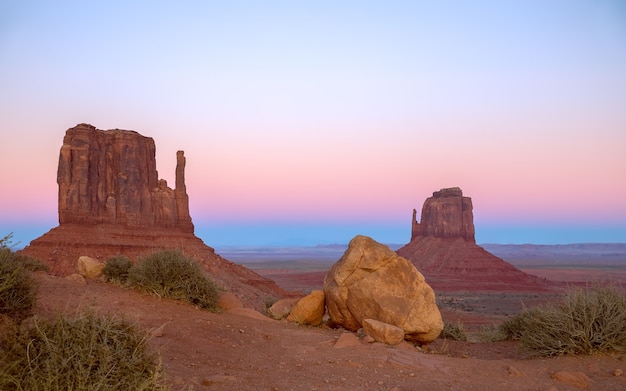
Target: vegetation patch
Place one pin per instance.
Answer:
(116, 269)
(453, 331)
(171, 274)
(85, 353)
(17, 287)
(586, 321)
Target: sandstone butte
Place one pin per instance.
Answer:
(111, 202)
(444, 249)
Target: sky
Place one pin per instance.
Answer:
(311, 122)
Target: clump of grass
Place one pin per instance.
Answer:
(172, 275)
(587, 321)
(116, 269)
(453, 331)
(17, 288)
(85, 353)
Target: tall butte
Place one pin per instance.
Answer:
(444, 249)
(112, 202)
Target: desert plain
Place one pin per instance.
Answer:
(244, 351)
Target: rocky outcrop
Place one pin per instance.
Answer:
(443, 247)
(371, 281)
(111, 202)
(447, 214)
(110, 177)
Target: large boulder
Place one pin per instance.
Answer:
(371, 281)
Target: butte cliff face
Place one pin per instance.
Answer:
(112, 202)
(447, 214)
(110, 177)
(444, 249)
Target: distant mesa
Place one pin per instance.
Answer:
(112, 202)
(444, 249)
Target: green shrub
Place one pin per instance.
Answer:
(86, 353)
(31, 264)
(170, 274)
(453, 331)
(116, 269)
(17, 288)
(587, 321)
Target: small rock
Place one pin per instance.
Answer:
(228, 301)
(618, 372)
(347, 339)
(282, 308)
(383, 332)
(77, 278)
(309, 310)
(515, 373)
(89, 267)
(575, 379)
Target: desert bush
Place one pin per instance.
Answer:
(586, 321)
(17, 288)
(116, 269)
(5, 241)
(31, 264)
(85, 353)
(172, 275)
(453, 331)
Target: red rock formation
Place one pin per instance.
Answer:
(112, 202)
(443, 248)
(110, 177)
(447, 214)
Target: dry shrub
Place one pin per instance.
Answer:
(453, 331)
(85, 353)
(587, 321)
(17, 288)
(116, 269)
(172, 275)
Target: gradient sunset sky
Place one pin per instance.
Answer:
(312, 122)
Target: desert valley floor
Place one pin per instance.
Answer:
(246, 351)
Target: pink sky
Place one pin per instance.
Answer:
(331, 115)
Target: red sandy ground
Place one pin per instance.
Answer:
(206, 351)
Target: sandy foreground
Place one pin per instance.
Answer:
(245, 351)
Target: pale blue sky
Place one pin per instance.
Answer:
(317, 121)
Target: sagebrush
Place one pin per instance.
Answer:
(171, 274)
(586, 321)
(453, 331)
(116, 269)
(89, 352)
(17, 287)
